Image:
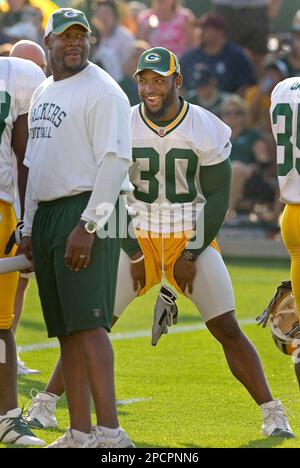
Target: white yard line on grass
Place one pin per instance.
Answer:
(129, 336)
(132, 401)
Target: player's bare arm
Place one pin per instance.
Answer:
(215, 182)
(19, 142)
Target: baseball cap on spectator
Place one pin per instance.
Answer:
(212, 20)
(64, 18)
(278, 65)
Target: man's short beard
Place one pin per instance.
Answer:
(75, 68)
(167, 102)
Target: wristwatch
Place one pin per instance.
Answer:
(88, 226)
(189, 256)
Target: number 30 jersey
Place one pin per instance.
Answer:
(18, 80)
(167, 163)
(285, 119)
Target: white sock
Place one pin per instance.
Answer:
(110, 432)
(11, 414)
(271, 404)
(78, 435)
(56, 397)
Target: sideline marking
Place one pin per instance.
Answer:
(129, 336)
(131, 401)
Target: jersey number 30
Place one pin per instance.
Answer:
(284, 139)
(172, 158)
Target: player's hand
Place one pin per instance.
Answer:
(78, 249)
(184, 273)
(138, 273)
(25, 249)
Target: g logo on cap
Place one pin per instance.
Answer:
(152, 58)
(71, 14)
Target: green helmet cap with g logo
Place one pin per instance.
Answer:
(159, 60)
(63, 18)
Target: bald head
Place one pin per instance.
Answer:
(29, 50)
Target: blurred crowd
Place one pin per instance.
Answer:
(230, 65)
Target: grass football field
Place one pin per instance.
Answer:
(181, 393)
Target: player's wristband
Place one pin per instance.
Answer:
(138, 260)
(190, 255)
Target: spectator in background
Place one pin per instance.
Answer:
(207, 93)
(29, 26)
(248, 22)
(249, 156)
(135, 9)
(128, 83)
(258, 97)
(167, 24)
(125, 16)
(89, 6)
(11, 10)
(231, 67)
(116, 40)
(14, 14)
(292, 58)
(105, 60)
(9, 18)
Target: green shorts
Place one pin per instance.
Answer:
(72, 301)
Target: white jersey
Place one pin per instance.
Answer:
(285, 119)
(18, 80)
(167, 165)
(69, 135)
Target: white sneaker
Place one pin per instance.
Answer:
(120, 441)
(23, 370)
(41, 413)
(14, 430)
(75, 439)
(275, 421)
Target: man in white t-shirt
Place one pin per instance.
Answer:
(78, 155)
(18, 80)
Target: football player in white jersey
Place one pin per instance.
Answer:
(181, 163)
(27, 50)
(18, 80)
(285, 119)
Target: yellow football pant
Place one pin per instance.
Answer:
(161, 252)
(290, 229)
(8, 283)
